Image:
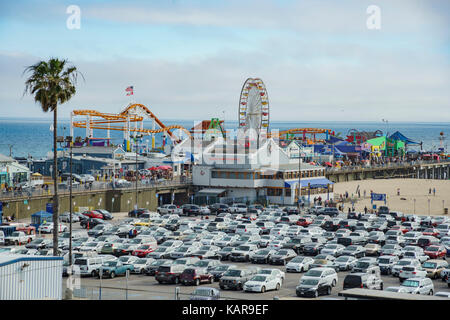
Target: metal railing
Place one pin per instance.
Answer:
(385, 165)
(96, 186)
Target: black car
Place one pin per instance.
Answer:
(91, 222)
(219, 208)
(136, 213)
(190, 209)
(106, 214)
(312, 249)
(330, 225)
(383, 210)
(332, 212)
(225, 253)
(291, 210)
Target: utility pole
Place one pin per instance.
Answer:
(299, 177)
(136, 168)
(69, 139)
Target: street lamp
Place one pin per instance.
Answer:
(69, 140)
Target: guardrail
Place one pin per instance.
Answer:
(96, 186)
(392, 165)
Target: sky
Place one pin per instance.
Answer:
(189, 59)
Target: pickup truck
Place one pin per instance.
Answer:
(111, 269)
(19, 238)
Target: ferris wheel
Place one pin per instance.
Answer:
(254, 105)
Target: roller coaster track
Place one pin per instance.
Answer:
(133, 113)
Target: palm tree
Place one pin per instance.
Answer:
(52, 82)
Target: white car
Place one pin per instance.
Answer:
(273, 272)
(418, 286)
(204, 210)
(299, 264)
(169, 209)
(396, 289)
(405, 262)
(412, 272)
(328, 274)
(262, 283)
(238, 208)
(91, 246)
(48, 227)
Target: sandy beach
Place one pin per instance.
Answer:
(410, 189)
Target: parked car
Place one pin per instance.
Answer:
(299, 264)
(313, 287)
(411, 272)
(262, 283)
(236, 278)
(205, 293)
(328, 275)
(363, 280)
(111, 269)
(169, 273)
(195, 276)
(434, 268)
(386, 263)
(422, 286)
(153, 267)
(436, 252)
(344, 263)
(282, 256)
(219, 270)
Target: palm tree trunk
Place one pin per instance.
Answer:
(55, 183)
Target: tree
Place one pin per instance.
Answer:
(52, 83)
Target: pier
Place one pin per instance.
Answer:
(418, 169)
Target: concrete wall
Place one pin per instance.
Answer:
(111, 200)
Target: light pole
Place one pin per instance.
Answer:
(69, 140)
(414, 206)
(299, 177)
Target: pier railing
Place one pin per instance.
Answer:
(96, 186)
(385, 165)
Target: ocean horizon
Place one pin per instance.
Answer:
(32, 136)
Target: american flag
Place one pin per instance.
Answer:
(129, 90)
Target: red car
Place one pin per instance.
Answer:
(403, 229)
(195, 276)
(143, 250)
(304, 222)
(430, 232)
(435, 252)
(93, 214)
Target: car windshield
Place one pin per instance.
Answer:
(201, 263)
(314, 273)
(410, 283)
(342, 259)
(141, 261)
(309, 282)
(258, 278)
(228, 249)
(263, 252)
(110, 264)
(432, 248)
(221, 268)
(232, 273)
(362, 264)
(404, 262)
(384, 261)
(298, 259)
(430, 265)
(203, 292)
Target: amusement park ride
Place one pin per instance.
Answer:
(253, 114)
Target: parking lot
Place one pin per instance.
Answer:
(145, 287)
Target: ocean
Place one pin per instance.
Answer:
(23, 137)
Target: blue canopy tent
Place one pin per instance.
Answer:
(399, 136)
(39, 217)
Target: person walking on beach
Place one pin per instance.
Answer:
(429, 191)
(434, 191)
(365, 209)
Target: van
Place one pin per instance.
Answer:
(89, 266)
(363, 280)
